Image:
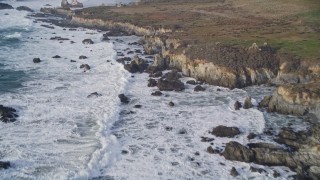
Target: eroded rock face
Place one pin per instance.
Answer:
(296, 99)
(224, 131)
(170, 82)
(302, 154)
(136, 65)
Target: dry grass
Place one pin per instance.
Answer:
(291, 26)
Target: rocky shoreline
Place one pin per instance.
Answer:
(232, 67)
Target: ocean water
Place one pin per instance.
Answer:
(62, 134)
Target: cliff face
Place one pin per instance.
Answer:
(297, 99)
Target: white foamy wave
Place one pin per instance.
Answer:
(61, 134)
(14, 19)
(14, 35)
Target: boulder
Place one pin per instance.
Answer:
(152, 83)
(199, 88)
(94, 94)
(83, 57)
(4, 164)
(36, 60)
(264, 102)
(105, 37)
(251, 136)
(85, 67)
(237, 105)
(24, 8)
(124, 60)
(192, 82)
(56, 56)
(247, 103)
(123, 98)
(170, 85)
(172, 75)
(234, 172)
(5, 6)
(171, 104)
(156, 93)
(223, 131)
(137, 106)
(237, 152)
(136, 65)
(87, 41)
(7, 114)
(156, 74)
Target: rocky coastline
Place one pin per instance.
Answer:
(297, 92)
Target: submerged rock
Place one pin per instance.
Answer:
(199, 88)
(171, 104)
(7, 114)
(94, 94)
(237, 105)
(156, 93)
(87, 41)
(4, 164)
(152, 83)
(24, 8)
(123, 98)
(223, 131)
(56, 56)
(85, 67)
(5, 6)
(36, 60)
(83, 57)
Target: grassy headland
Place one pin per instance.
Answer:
(291, 26)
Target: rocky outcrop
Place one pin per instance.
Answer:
(302, 154)
(24, 8)
(136, 65)
(85, 67)
(170, 82)
(7, 114)
(5, 6)
(223, 131)
(296, 99)
(123, 98)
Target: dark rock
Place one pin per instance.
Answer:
(94, 94)
(136, 65)
(193, 82)
(156, 93)
(152, 83)
(58, 38)
(137, 106)
(124, 152)
(85, 67)
(156, 74)
(87, 41)
(36, 60)
(218, 89)
(276, 174)
(56, 56)
(138, 51)
(72, 42)
(130, 52)
(259, 170)
(5, 6)
(251, 136)
(171, 103)
(24, 8)
(47, 26)
(7, 114)
(236, 151)
(182, 131)
(83, 57)
(118, 32)
(247, 103)
(123, 98)
(73, 61)
(234, 172)
(174, 163)
(105, 37)
(199, 88)
(264, 102)
(237, 105)
(123, 60)
(210, 150)
(4, 164)
(165, 84)
(172, 75)
(168, 128)
(206, 139)
(120, 54)
(223, 131)
(197, 153)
